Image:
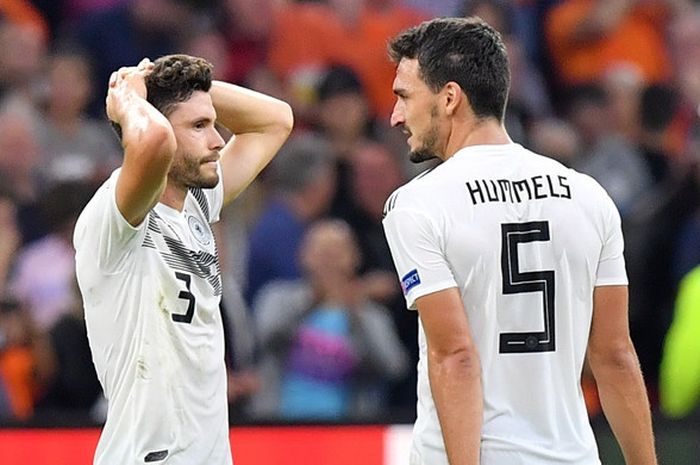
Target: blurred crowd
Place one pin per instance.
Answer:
(315, 322)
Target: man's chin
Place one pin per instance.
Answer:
(206, 182)
(419, 156)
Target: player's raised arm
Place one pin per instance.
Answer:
(618, 376)
(147, 138)
(260, 124)
(454, 371)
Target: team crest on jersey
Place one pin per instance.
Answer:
(199, 231)
(411, 280)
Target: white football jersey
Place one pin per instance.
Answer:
(151, 295)
(525, 240)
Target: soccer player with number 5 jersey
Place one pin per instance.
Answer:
(515, 266)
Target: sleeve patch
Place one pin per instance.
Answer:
(411, 280)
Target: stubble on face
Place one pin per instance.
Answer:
(188, 171)
(427, 151)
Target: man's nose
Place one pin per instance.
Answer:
(397, 118)
(216, 141)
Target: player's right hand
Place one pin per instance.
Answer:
(124, 84)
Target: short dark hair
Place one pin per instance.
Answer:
(339, 80)
(463, 50)
(174, 78)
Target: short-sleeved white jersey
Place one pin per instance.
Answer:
(151, 295)
(525, 240)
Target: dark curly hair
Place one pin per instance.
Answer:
(174, 78)
(464, 50)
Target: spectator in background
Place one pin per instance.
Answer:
(679, 386)
(26, 362)
(20, 159)
(555, 138)
(684, 34)
(658, 106)
(124, 34)
(10, 236)
(329, 351)
(686, 253)
(22, 52)
(44, 276)
(307, 37)
(209, 43)
(652, 231)
(247, 35)
(373, 173)
(587, 37)
(528, 98)
(344, 116)
(22, 12)
(73, 389)
(10, 239)
(344, 119)
(6, 412)
(605, 154)
(20, 154)
(76, 147)
(623, 84)
(302, 182)
(62, 15)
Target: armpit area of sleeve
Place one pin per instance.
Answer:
(421, 291)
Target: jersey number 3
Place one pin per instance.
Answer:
(517, 282)
(185, 295)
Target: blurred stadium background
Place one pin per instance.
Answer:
(608, 87)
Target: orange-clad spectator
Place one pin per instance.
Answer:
(26, 361)
(23, 13)
(586, 37)
(307, 37)
(16, 369)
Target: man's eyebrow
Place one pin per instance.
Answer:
(203, 119)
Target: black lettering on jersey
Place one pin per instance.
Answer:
(156, 456)
(491, 194)
(537, 183)
(541, 186)
(180, 258)
(505, 187)
(551, 188)
(564, 183)
(475, 189)
(520, 186)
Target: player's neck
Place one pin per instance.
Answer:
(174, 197)
(476, 132)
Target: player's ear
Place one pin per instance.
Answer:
(453, 96)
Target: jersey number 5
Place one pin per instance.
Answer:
(188, 296)
(517, 282)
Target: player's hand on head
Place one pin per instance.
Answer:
(124, 84)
